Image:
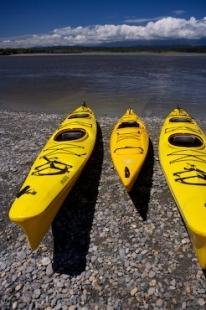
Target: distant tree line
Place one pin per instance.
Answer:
(79, 50)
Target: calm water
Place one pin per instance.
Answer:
(152, 84)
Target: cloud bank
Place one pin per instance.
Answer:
(164, 28)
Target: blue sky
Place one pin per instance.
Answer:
(43, 17)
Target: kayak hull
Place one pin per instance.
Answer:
(182, 153)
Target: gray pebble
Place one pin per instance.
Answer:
(37, 293)
(73, 307)
(49, 270)
(151, 291)
(18, 287)
(133, 291)
(45, 261)
(14, 305)
(152, 274)
(159, 302)
(201, 301)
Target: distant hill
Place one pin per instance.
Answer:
(157, 43)
(154, 46)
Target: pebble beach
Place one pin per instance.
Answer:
(106, 249)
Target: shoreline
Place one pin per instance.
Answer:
(99, 116)
(106, 249)
(112, 53)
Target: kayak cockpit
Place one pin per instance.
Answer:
(185, 140)
(129, 124)
(70, 134)
(79, 115)
(180, 120)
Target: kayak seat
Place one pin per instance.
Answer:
(80, 115)
(180, 120)
(70, 135)
(128, 124)
(185, 140)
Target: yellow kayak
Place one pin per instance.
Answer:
(182, 152)
(53, 173)
(129, 146)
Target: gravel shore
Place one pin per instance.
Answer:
(106, 249)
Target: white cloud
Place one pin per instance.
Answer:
(164, 28)
(134, 20)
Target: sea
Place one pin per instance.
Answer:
(152, 84)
